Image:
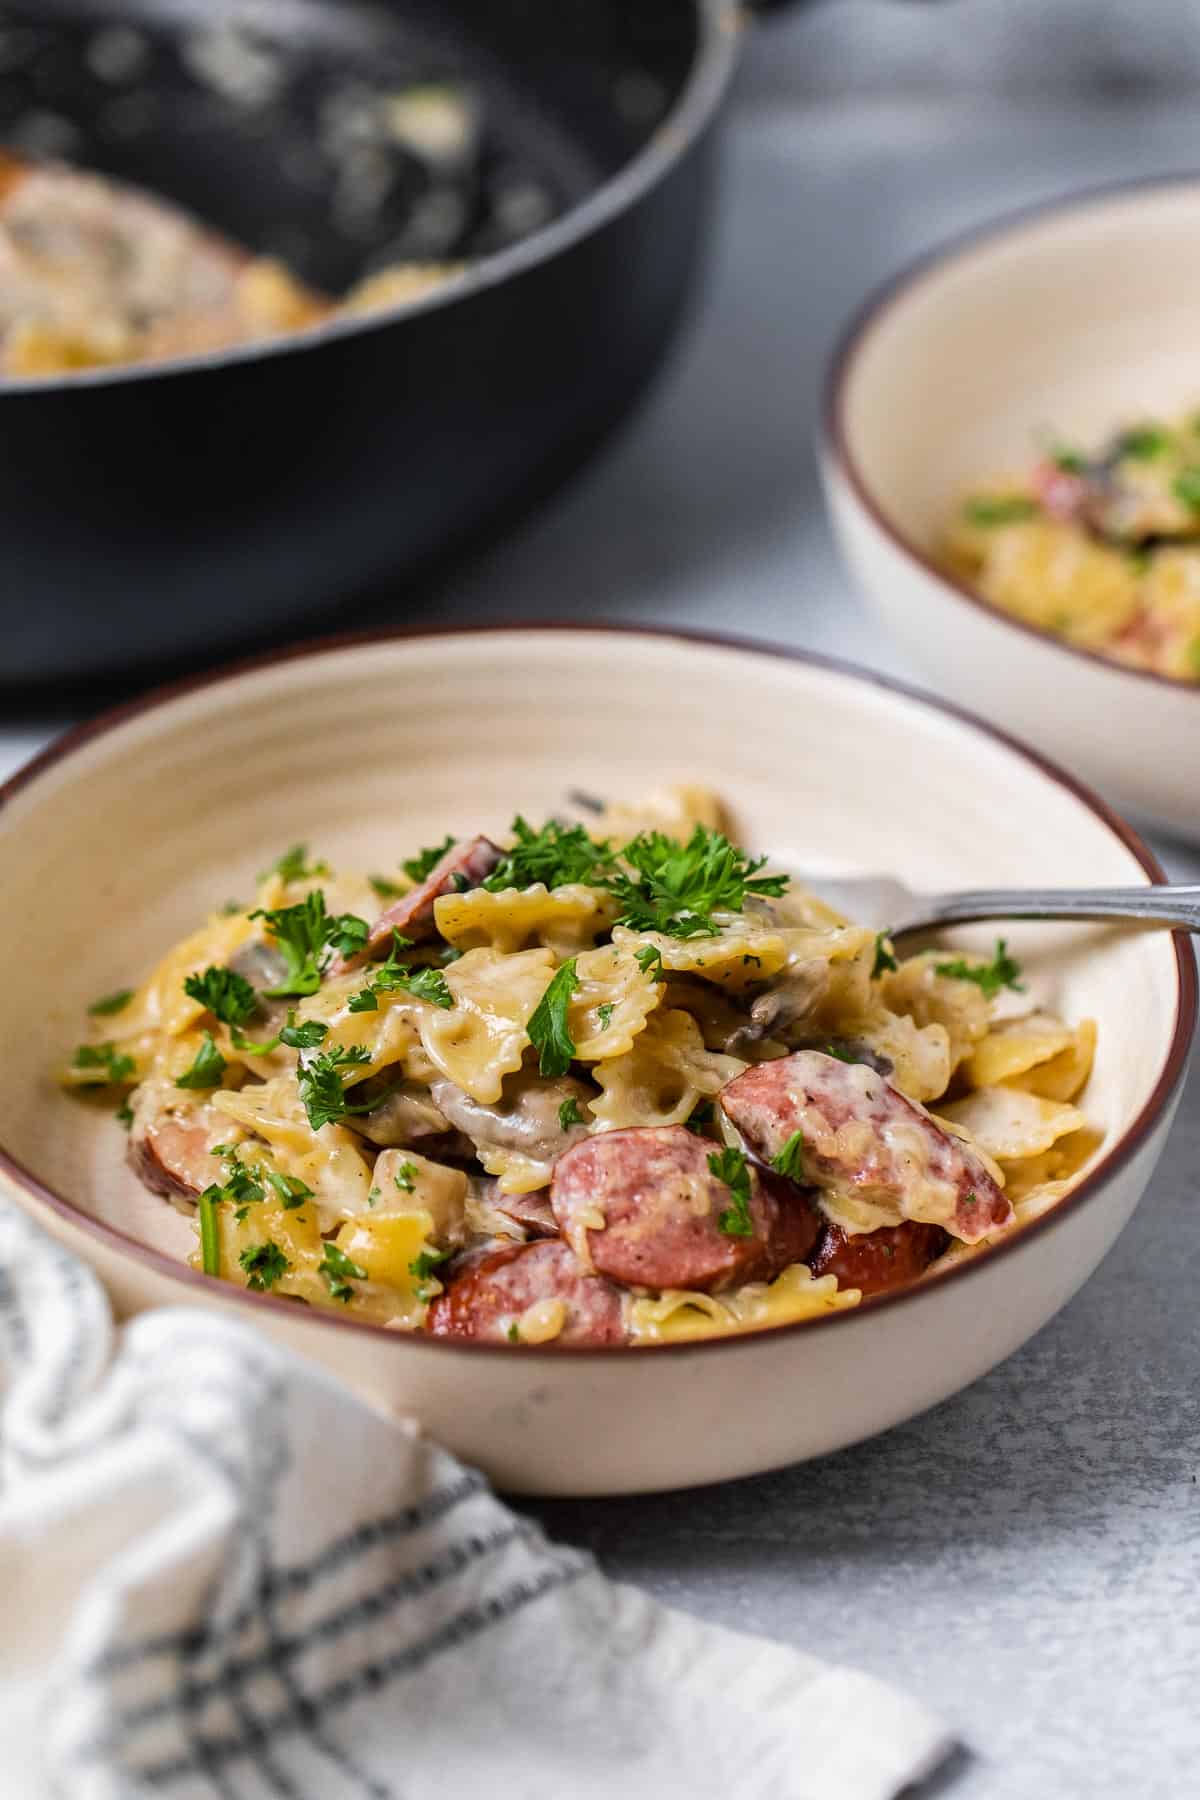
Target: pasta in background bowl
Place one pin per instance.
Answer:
(1067, 327)
(366, 752)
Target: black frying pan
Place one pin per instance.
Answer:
(155, 515)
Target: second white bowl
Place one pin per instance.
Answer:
(1075, 318)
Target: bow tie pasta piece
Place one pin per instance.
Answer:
(563, 919)
(919, 1054)
(741, 954)
(927, 998)
(390, 1033)
(663, 1077)
(1015, 1047)
(1063, 1076)
(679, 1315)
(611, 1004)
(483, 1037)
(1010, 1124)
(329, 1161)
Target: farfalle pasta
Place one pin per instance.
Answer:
(606, 1083)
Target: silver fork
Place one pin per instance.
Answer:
(886, 904)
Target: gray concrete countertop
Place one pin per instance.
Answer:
(1027, 1555)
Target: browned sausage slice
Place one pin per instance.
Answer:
(172, 1157)
(532, 1212)
(493, 1294)
(464, 865)
(875, 1261)
(643, 1207)
(864, 1141)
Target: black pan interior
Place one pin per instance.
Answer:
(269, 118)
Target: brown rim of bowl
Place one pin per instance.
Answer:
(1114, 1159)
(897, 288)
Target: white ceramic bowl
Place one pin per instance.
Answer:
(118, 839)
(1073, 318)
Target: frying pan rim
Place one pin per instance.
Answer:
(719, 26)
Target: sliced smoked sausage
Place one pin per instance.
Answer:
(874, 1261)
(864, 1142)
(643, 1207)
(464, 865)
(492, 1297)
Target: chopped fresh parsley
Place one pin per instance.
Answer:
(339, 1271)
(263, 1264)
(569, 1114)
(304, 935)
(885, 956)
(303, 1037)
(841, 1051)
(676, 887)
(604, 1013)
(1002, 972)
(291, 1190)
(405, 1177)
(210, 1239)
(700, 1118)
(971, 1199)
(790, 1160)
(650, 961)
(1186, 487)
(1071, 462)
(296, 1037)
(228, 996)
(115, 1066)
(555, 855)
(513, 1333)
(111, 1003)
(423, 1266)
(547, 1027)
(397, 976)
(207, 1068)
(294, 865)
(320, 1083)
(1193, 656)
(124, 1114)
(1143, 443)
(729, 1166)
(999, 509)
(385, 889)
(418, 867)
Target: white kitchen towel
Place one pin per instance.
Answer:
(222, 1577)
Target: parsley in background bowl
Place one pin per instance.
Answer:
(121, 837)
(1062, 327)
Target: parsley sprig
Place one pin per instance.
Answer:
(206, 1069)
(294, 865)
(675, 887)
(112, 1065)
(339, 1271)
(885, 956)
(228, 996)
(729, 1165)
(111, 1003)
(556, 855)
(320, 1083)
(790, 1160)
(397, 976)
(1002, 972)
(420, 866)
(305, 934)
(263, 1264)
(548, 1030)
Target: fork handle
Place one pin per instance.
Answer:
(1154, 905)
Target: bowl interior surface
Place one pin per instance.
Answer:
(1051, 330)
(117, 849)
